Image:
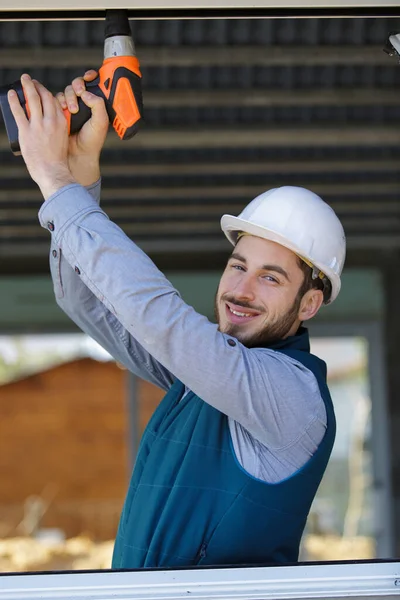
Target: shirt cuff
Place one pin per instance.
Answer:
(95, 190)
(65, 206)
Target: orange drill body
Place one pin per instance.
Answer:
(120, 92)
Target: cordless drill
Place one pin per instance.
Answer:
(118, 83)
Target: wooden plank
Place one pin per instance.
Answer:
(192, 56)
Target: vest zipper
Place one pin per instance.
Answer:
(203, 551)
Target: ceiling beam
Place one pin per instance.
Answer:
(274, 98)
(163, 195)
(206, 225)
(19, 171)
(192, 56)
(47, 10)
(248, 137)
(169, 253)
(28, 217)
(262, 137)
(203, 236)
(250, 98)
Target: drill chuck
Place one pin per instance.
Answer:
(117, 23)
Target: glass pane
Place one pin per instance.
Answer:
(340, 524)
(34, 531)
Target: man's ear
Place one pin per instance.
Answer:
(310, 304)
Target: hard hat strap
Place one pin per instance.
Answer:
(316, 273)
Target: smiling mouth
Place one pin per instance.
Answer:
(239, 314)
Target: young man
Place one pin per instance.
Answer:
(232, 458)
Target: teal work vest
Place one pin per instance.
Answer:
(191, 503)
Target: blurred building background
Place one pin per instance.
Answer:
(232, 107)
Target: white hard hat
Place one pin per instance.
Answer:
(299, 220)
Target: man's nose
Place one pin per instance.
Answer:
(244, 289)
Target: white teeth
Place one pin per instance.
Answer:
(239, 314)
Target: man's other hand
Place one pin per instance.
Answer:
(43, 138)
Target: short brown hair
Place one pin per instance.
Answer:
(313, 284)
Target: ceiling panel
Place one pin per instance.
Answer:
(232, 108)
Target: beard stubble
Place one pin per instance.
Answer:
(267, 335)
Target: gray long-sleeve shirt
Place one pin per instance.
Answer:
(115, 293)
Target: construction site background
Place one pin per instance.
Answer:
(81, 553)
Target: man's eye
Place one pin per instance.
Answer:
(238, 267)
(270, 278)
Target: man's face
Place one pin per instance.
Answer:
(257, 299)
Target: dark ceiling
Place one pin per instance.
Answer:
(232, 108)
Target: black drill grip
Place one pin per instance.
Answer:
(77, 120)
(9, 121)
(124, 105)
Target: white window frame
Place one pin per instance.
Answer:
(364, 579)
